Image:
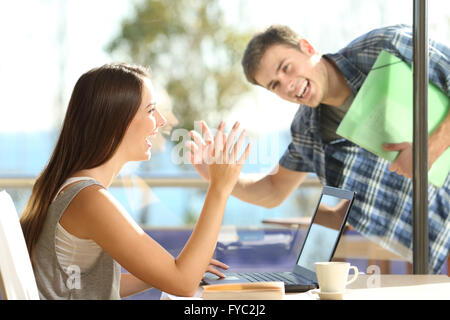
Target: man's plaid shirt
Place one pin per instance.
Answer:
(383, 207)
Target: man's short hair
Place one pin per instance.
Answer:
(276, 34)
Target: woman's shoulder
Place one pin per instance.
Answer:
(95, 200)
(89, 208)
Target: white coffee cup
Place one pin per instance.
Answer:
(333, 276)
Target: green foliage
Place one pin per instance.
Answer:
(192, 53)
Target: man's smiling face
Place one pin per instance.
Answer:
(294, 74)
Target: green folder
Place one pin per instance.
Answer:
(382, 112)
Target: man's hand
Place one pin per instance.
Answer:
(331, 217)
(438, 142)
(402, 165)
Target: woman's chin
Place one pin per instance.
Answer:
(143, 157)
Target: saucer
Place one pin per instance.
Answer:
(330, 295)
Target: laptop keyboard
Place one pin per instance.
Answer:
(268, 276)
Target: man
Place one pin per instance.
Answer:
(324, 86)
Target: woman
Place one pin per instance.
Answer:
(77, 234)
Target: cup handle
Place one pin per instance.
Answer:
(355, 270)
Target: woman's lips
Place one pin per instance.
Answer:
(147, 139)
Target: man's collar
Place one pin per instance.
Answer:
(353, 75)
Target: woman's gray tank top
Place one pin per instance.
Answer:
(101, 281)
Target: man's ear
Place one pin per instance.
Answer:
(306, 47)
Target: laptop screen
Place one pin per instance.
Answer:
(324, 231)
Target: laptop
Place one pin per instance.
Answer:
(319, 245)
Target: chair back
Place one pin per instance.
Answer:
(17, 281)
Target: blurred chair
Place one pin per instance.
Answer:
(17, 280)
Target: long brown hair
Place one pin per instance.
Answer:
(102, 105)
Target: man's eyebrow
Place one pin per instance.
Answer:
(278, 69)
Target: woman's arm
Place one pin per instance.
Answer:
(110, 226)
(130, 285)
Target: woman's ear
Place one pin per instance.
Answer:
(306, 47)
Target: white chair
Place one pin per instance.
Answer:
(17, 280)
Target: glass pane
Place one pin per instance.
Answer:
(163, 206)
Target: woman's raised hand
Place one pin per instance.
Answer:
(216, 159)
(197, 151)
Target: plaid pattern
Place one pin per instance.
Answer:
(383, 207)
